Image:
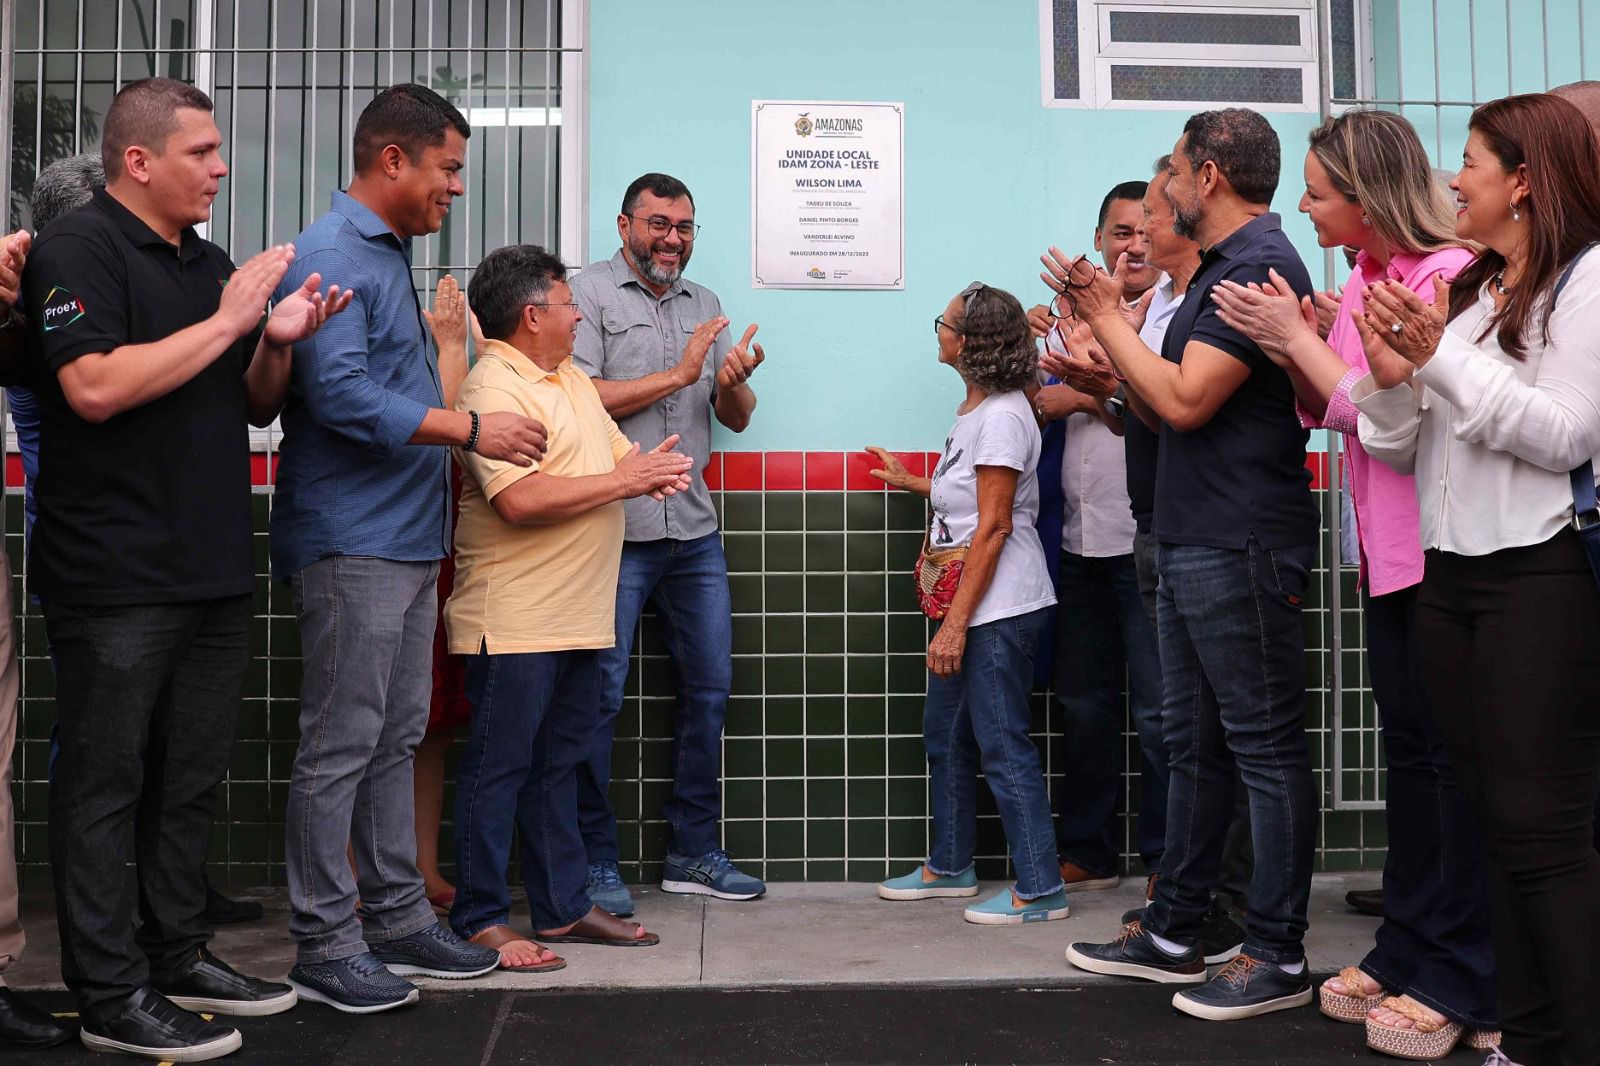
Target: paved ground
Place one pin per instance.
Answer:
(814, 973)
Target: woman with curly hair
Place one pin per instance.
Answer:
(985, 497)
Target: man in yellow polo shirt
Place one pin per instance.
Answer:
(537, 551)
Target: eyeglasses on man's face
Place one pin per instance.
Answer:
(658, 226)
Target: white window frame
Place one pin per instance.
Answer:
(1097, 55)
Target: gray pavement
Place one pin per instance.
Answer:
(801, 934)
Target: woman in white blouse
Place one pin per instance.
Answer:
(1491, 396)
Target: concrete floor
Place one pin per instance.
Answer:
(800, 935)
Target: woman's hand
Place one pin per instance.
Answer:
(1327, 305)
(894, 472)
(1267, 314)
(1388, 369)
(946, 649)
(1405, 324)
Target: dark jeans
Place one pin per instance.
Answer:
(980, 717)
(1238, 860)
(532, 724)
(1433, 944)
(1233, 653)
(147, 701)
(687, 583)
(1509, 644)
(1103, 638)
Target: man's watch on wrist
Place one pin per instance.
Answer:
(472, 434)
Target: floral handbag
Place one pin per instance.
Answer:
(938, 573)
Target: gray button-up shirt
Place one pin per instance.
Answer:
(627, 333)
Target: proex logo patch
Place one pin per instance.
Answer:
(61, 308)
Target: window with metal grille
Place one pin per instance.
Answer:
(1183, 54)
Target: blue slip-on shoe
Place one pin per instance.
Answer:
(912, 886)
(436, 952)
(711, 874)
(359, 984)
(1135, 954)
(1245, 988)
(1001, 909)
(607, 891)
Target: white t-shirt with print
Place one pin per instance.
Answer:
(1000, 431)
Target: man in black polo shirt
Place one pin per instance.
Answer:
(1237, 529)
(151, 355)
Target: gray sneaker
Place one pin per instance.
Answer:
(436, 952)
(359, 984)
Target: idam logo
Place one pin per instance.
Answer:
(61, 308)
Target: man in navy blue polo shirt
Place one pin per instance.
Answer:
(360, 520)
(1237, 529)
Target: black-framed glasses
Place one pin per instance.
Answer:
(658, 226)
(939, 323)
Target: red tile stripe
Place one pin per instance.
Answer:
(756, 471)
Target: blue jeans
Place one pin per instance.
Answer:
(1102, 636)
(1434, 943)
(981, 716)
(1233, 652)
(532, 723)
(686, 581)
(366, 638)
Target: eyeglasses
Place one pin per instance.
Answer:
(939, 323)
(659, 226)
(543, 303)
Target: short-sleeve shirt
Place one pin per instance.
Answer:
(1000, 431)
(628, 332)
(349, 480)
(535, 588)
(153, 504)
(1242, 474)
(1140, 443)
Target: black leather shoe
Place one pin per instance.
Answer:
(212, 986)
(22, 1025)
(220, 910)
(1369, 902)
(151, 1025)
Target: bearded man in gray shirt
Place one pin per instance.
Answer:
(658, 351)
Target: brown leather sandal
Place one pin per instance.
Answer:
(599, 927)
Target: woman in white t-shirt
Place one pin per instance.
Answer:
(985, 496)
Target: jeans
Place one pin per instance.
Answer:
(366, 637)
(1434, 942)
(1102, 637)
(147, 699)
(687, 583)
(980, 716)
(1233, 652)
(1238, 860)
(532, 724)
(1508, 643)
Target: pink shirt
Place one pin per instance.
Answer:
(1385, 502)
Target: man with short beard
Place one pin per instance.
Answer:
(1237, 529)
(645, 337)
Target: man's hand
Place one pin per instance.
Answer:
(245, 296)
(1084, 364)
(1094, 293)
(303, 312)
(13, 255)
(510, 438)
(1327, 305)
(658, 472)
(448, 319)
(1040, 319)
(1055, 402)
(741, 361)
(694, 353)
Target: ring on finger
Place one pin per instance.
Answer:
(1396, 327)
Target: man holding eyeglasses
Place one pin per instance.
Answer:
(645, 338)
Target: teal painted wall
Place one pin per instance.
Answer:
(991, 179)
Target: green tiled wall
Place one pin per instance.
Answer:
(825, 776)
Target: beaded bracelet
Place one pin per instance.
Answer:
(472, 437)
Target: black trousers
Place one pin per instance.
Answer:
(147, 699)
(1509, 644)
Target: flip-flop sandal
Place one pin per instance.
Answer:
(557, 963)
(592, 930)
(1347, 1006)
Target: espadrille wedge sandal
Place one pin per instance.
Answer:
(1341, 1005)
(1427, 1039)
